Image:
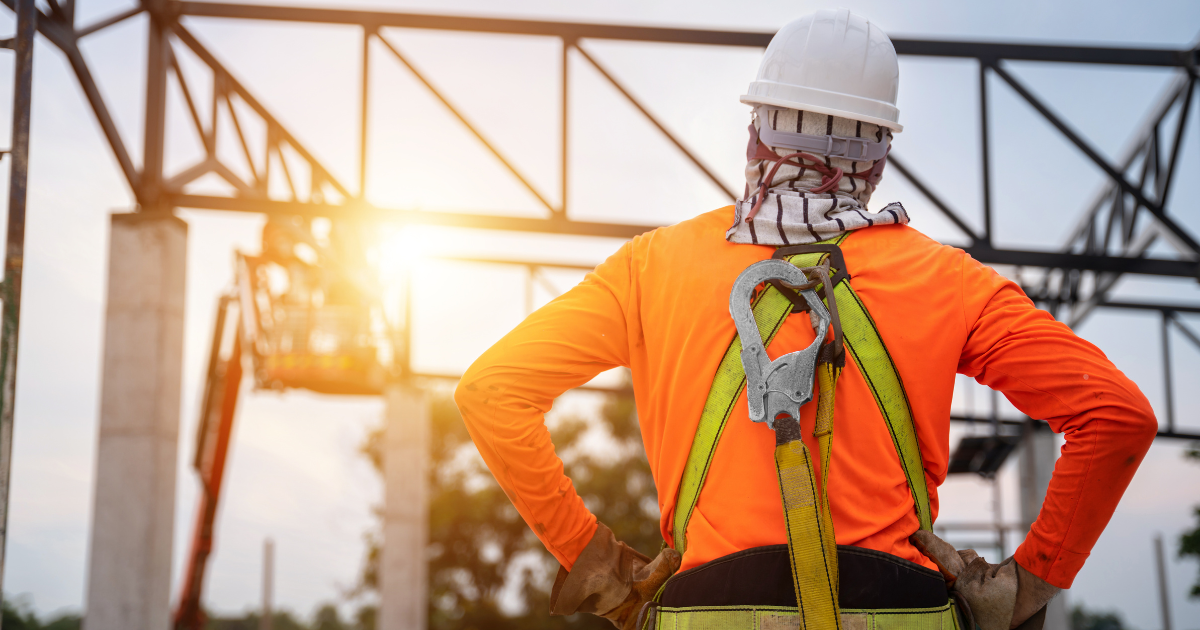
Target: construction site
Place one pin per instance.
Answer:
(252, 248)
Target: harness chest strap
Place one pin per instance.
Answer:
(771, 308)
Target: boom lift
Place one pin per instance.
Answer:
(308, 316)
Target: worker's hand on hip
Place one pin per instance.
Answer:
(1000, 596)
(612, 580)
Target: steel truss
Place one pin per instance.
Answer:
(1114, 237)
(1129, 216)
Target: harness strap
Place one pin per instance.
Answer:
(771, 308)
(812, 546)
(862, 338)
(777, 618)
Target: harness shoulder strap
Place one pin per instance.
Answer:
(875, 363)
(861, 337)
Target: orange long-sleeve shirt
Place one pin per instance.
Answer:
(659, 306)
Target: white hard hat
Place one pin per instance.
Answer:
(832, 62)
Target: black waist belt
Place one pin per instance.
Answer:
(762, 576)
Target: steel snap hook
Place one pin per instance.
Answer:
(784, 385)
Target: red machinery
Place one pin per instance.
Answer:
(308, 319)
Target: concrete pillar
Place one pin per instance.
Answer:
(1039, 451)
(403, 567)
(133, 514)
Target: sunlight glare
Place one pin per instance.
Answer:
(402, 250)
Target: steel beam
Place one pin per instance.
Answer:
(363, 114)
(1142, 306)
(1012, 422)
(108, 21)
(363, 211)
(14, 250)
(1161, 57)
(1148, 266)
(985, 155)
(158, 49)
(1086, 262)
(568, 30)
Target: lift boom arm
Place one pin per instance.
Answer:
(212, 445)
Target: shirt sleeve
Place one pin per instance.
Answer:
(1050, 374)
(505, 394)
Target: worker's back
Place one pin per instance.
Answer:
(660, 306)
(677, 311)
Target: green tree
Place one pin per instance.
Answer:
(280, 620)
(325, 618)
(1189, 541)
(19, 615)
(328, 618)
(486, 568)
(1084, 619)
(364, 618)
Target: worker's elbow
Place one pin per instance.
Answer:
(1142, 425)
(463, 394)
(1147, 428)
(468, 393)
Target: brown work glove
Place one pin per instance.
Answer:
(612, 580)
(1000, 596)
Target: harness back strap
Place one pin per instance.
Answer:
(812, 546)
(771, 308)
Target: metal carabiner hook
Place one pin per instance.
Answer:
(785, 384)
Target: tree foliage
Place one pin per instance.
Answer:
(1084, 619)
(18, 615)
(326, 617)
(280, 620)
(1189, 541)
(486, 568)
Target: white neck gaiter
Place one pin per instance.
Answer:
(790, 213)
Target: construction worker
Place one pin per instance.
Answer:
(909, 314)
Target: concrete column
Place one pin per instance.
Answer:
(1039, 451)
(133, 514)
(403, 567)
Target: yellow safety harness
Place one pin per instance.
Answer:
(811, 543)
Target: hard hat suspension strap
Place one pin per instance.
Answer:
(853, 149)
(831, 177)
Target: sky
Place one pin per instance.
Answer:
(295, 474)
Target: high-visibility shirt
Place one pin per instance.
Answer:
(660, 306)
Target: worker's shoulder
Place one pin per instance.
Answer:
(694, 231)
(693, 250)
(898, 247)
(700, 238)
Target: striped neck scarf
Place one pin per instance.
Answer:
(790, 214)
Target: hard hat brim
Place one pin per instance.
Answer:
(752, 99)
